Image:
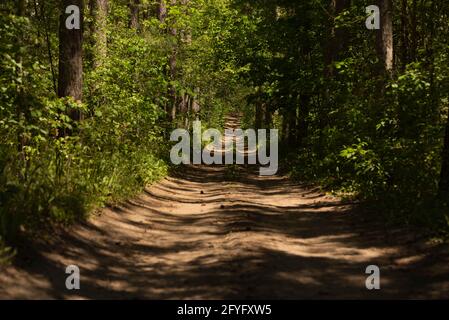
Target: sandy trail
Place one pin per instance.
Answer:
(199, 235)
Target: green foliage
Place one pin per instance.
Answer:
(349, 125)
(6, 254)
(292, 65)
(55, 170)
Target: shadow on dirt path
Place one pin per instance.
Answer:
(201, 235)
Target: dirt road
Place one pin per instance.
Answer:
(200, 235)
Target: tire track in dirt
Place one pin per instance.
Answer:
(207, 234)
(198, 235)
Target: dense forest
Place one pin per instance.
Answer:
(86, 112)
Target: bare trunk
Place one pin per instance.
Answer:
(292, 126)
(100, 15)
(21, 7)
(303, 125)
(385, 35)
(414, 36)
(444, 175)
(404, 36)
(70, 83)
(196, 107)
(20, 101)
(45, 18)
(259, 115)
(268, 116)
(173, 71)
(162, 11)
(134, 10)
(173, 96)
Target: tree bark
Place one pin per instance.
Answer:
(44, 16)
(303, 125)
(134, 18)
(100, 16)
(414, 32)
(292, 119)
(21, 7)
(268, 116)
(404, 36)
(162, 11)
(20, 100)
(385, 35)
(70, 82)
(258, 121)
(444, 175)
(172, 65)
(173, 69)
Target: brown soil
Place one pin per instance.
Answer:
(200, 236)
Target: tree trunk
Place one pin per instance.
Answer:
(292, 126)
(337, 42)
(162, 15)
(134, 18)
(21, 7)
(70, 82)
(444, 176)
(385, 35)
(173, 70)
(258, 115)
(196, 107)
(268, 116)
(162, 11)
(44, 16)
(404, 36)
(173, 95)
(20, 100)
(303, 125)
(100, 15)
(414, 32)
